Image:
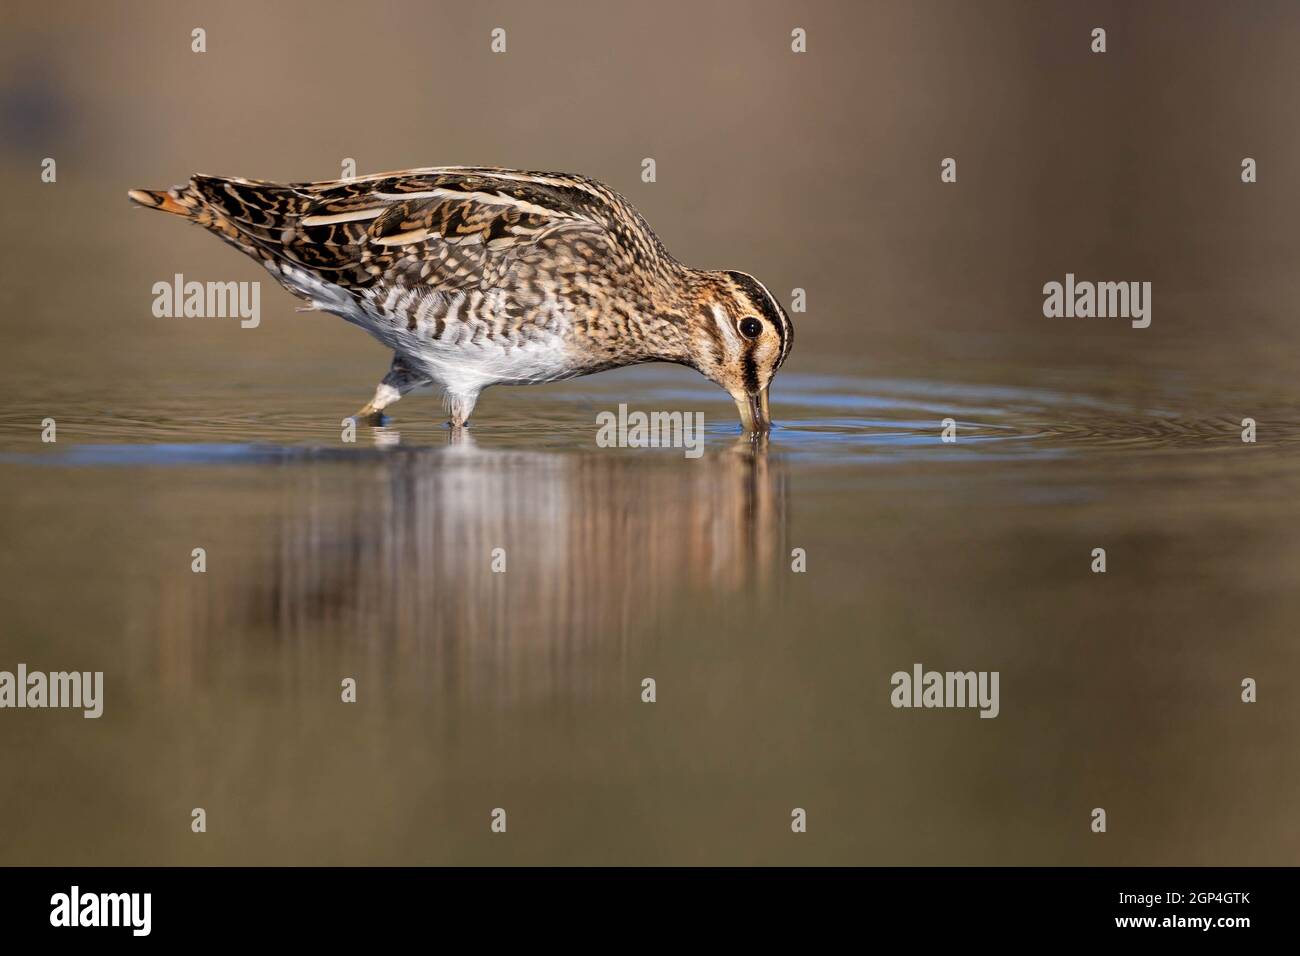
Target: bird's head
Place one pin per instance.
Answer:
(742, 335)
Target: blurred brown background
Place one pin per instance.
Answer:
(818, 170)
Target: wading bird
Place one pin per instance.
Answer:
(478, 276)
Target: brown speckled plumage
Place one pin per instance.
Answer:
(480, 276)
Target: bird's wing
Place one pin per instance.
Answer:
(449, 228)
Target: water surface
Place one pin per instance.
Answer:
(522, 690)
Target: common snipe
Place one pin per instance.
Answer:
(479, 276)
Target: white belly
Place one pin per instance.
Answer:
(449, 343)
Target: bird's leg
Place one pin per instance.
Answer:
(399, 380)
(459, 404)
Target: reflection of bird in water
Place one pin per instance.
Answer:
(399, 551)
(478, 276)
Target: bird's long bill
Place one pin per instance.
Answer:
(753, 411)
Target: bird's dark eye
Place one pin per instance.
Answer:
(750, 327)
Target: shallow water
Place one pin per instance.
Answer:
(522, 689)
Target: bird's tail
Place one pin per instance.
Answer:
(198, 202)
(179, 200)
